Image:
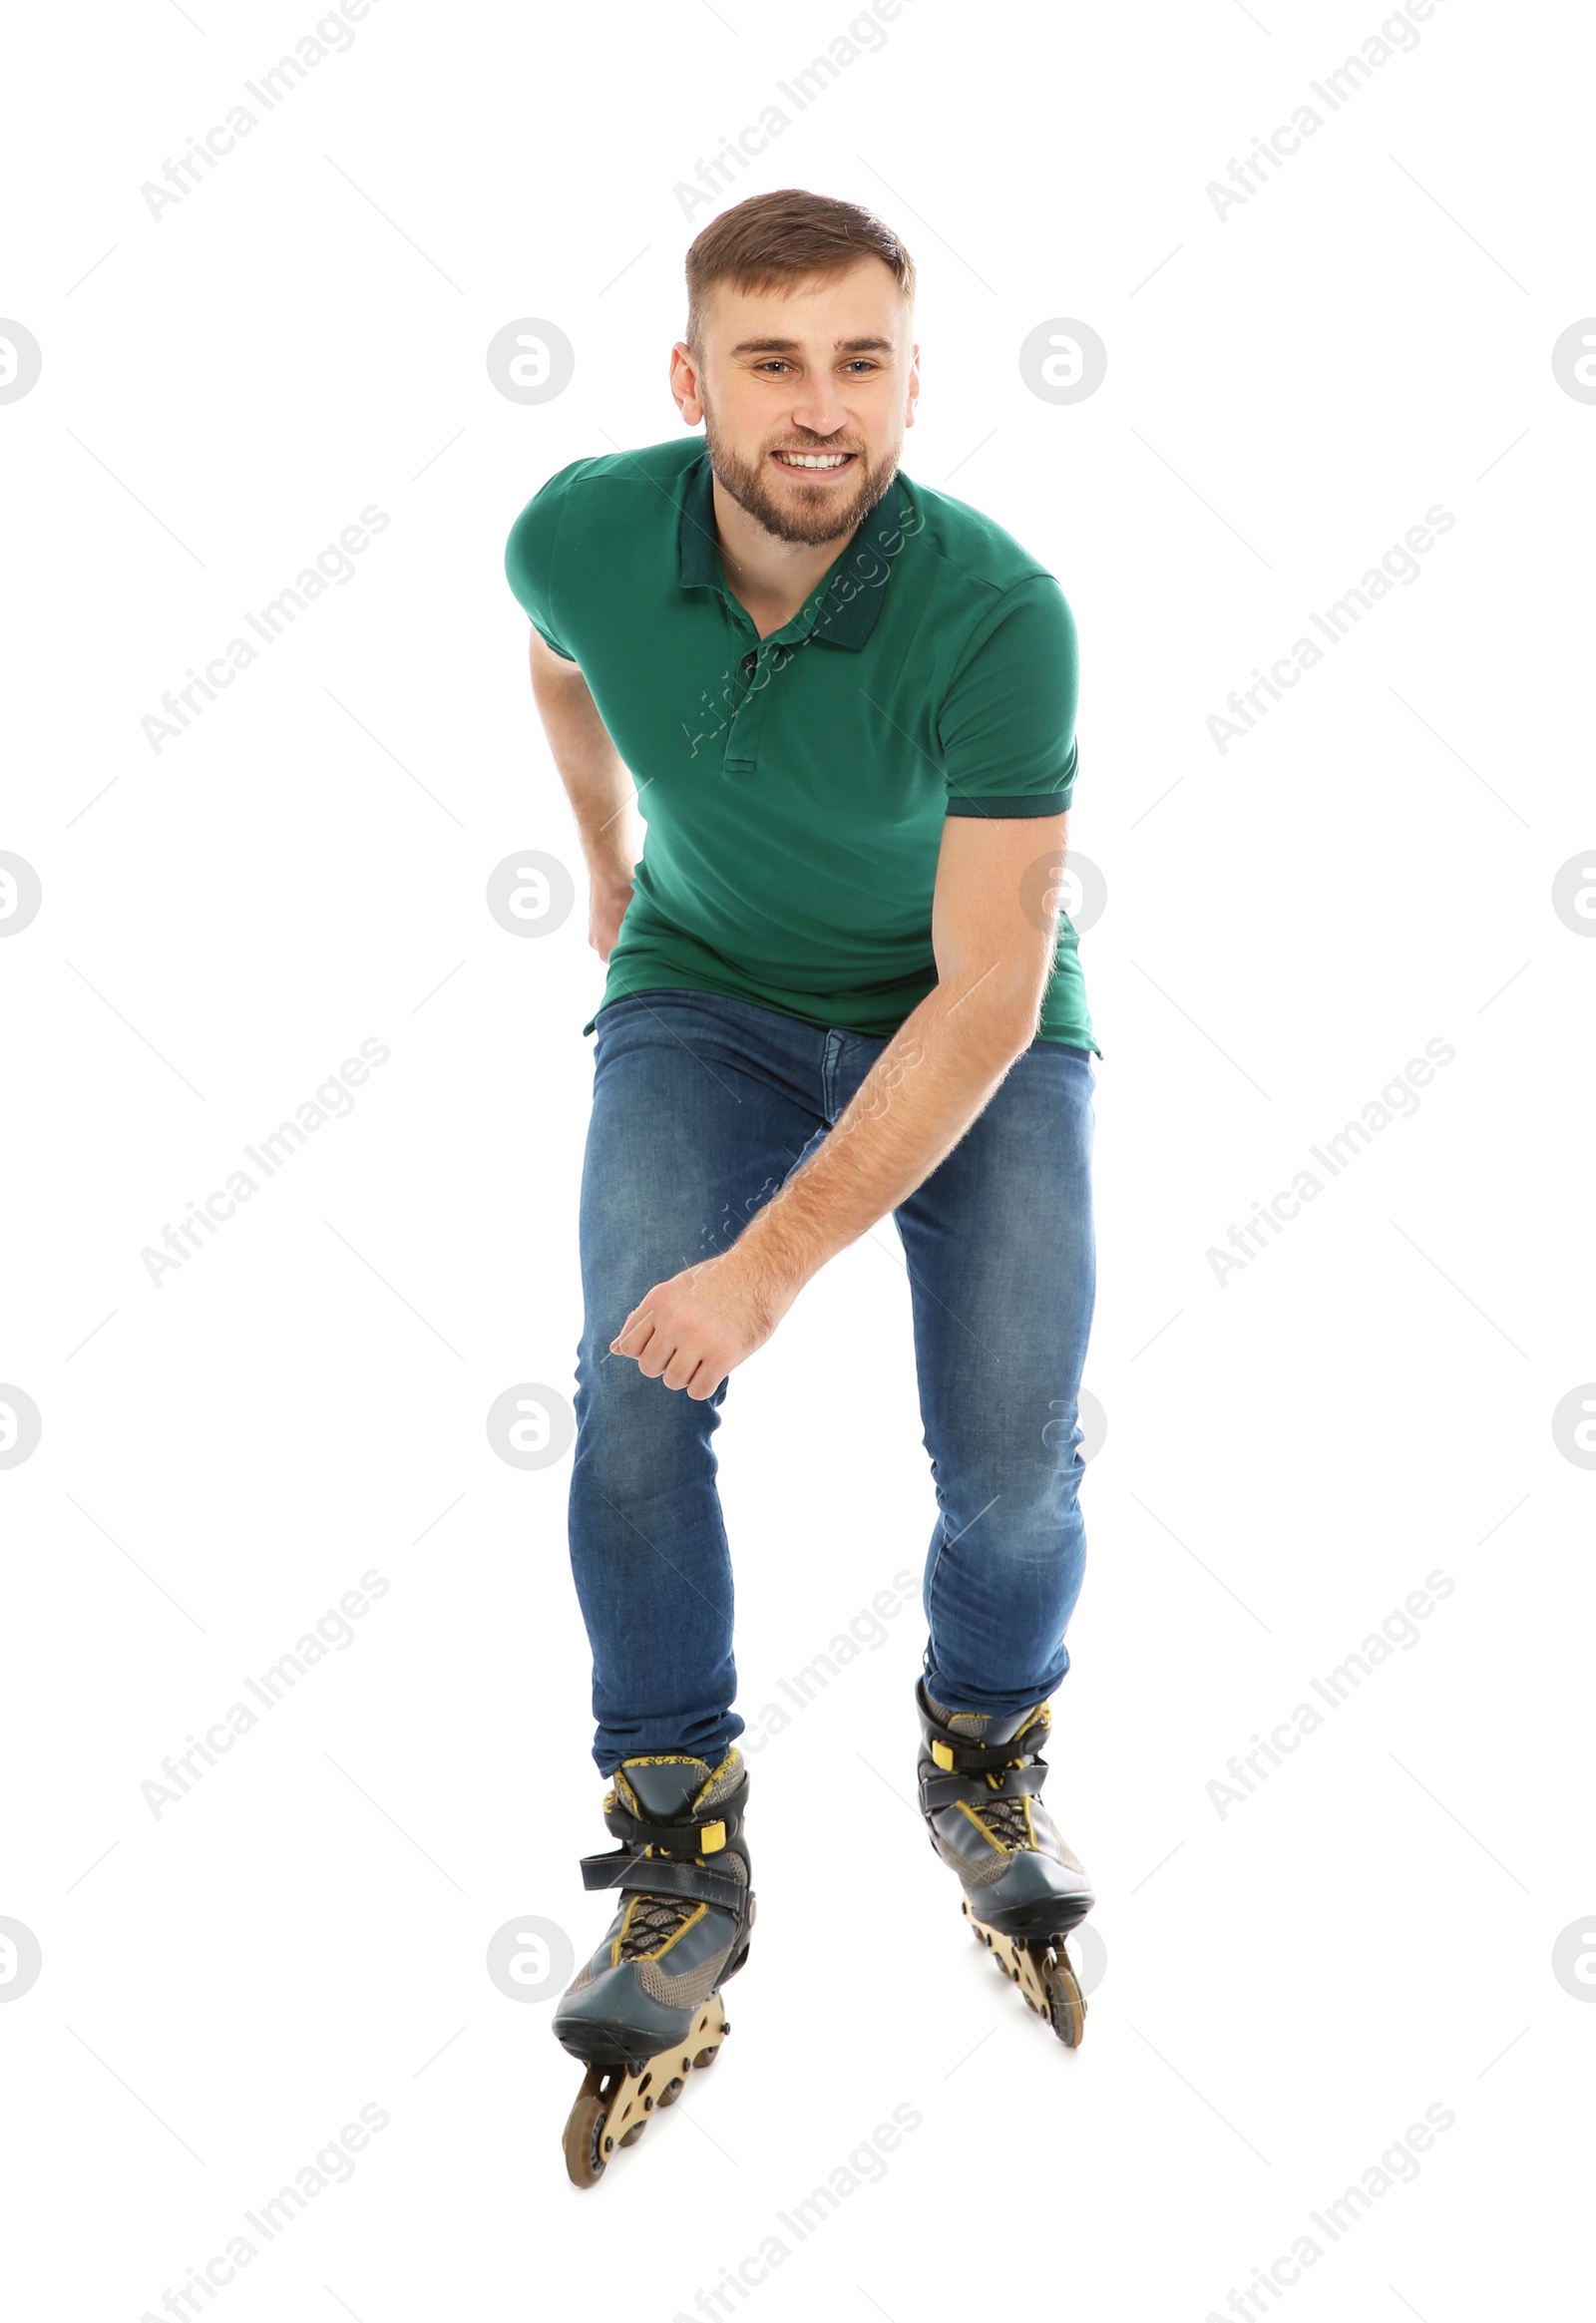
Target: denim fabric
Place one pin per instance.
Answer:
(702, 1105)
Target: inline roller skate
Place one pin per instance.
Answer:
(979, 1780)
(646, 2009)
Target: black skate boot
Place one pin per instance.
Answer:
(980, 1777)
(647, 2008)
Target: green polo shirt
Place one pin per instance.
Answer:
(795, 786)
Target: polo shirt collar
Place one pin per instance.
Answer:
(845, 608)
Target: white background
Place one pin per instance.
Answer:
(1288, 1986)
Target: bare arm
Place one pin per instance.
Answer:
(995, 951)
(601, 794)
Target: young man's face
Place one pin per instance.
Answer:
(826, 371)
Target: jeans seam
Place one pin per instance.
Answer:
(932, 1578)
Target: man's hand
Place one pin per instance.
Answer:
(691, 1330)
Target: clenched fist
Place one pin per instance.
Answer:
(694, 1330)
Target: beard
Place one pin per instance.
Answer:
(801, 519)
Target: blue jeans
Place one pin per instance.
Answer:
(702, 1105)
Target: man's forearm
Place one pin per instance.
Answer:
(601, 794)
(927, 1085)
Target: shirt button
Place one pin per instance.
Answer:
(749, 660)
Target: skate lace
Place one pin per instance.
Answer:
(1005, 1821)
(653, 1919)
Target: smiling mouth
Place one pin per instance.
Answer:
(814, 463)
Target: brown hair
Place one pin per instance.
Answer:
(773, 241)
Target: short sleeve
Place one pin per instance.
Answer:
(1006, 725)
(532, 560)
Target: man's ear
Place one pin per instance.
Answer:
(684, 383)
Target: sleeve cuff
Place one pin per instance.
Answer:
(963, 803)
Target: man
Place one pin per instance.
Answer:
(837, 987)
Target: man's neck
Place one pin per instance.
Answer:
(770, 579)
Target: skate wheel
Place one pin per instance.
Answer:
(615, 2103)
(585, 2164)
(1067, 2004)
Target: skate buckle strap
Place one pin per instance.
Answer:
(676, 1839)
(627, 1873)
(679, 1839)
(939, 1790)
(965, 1757)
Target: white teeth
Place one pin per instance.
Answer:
(813, 459)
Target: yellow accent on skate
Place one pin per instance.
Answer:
(990, 1838)
(633, 1903)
